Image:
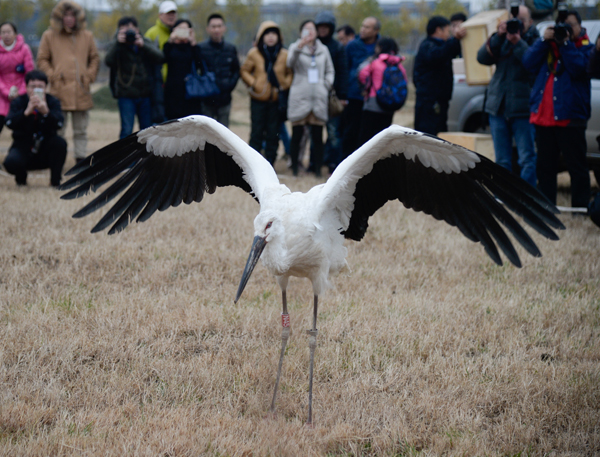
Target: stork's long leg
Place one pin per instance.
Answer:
(312, 344)
(285, 334)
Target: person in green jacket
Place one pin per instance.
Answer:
(161, 31)
(132, 60)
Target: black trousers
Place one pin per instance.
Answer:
(431, 116)
(2, 121)
(351, 119)
(265, 127)
(372, 123)
(52, 154)
(316, 136)
(570, 141)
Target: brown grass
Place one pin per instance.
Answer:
(131, 344)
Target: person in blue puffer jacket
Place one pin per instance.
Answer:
(357, 53)
(560, 107)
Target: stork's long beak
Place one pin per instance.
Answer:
(258, 245)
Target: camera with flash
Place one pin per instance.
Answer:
(514, 25)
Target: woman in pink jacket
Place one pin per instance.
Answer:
(374, 118)
(15, 61)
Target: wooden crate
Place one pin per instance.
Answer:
(479, 28)
(478, 142)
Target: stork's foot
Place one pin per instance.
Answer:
(271, 415)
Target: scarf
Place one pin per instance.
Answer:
(9, 48)
(270, 54)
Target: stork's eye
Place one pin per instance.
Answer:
(268, 225)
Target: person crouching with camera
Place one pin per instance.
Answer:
(560, 104)
(508, 92)
(35, 117)
(131, 59)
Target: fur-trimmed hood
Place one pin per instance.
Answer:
(264, 26)
(58, 12)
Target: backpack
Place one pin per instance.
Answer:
(394, 89)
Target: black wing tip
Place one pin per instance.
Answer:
(80, 166)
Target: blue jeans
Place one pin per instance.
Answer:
(128, 108)
(333, 146)
(503, 130)
(284, 136)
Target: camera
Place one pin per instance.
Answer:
(514, 25)
(37, 142)
(562, 29)
(130, 35)
(39, 92)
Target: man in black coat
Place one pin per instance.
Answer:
(35, 117)
(132, 60)
(433, 76)
(325, 22)
(222, 59)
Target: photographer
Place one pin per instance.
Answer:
(132, 59)
(433, 76)
(560, 104)
(35, 118)
(508, 93)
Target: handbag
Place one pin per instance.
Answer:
(200, 86)
(335, 105)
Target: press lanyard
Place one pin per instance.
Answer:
(313, 72)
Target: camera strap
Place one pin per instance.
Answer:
(120, 79)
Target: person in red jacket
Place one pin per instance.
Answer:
(15, 61)
(560, 106)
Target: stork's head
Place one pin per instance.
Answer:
(267, 227)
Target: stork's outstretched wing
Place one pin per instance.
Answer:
(164, 165)
(444, 180)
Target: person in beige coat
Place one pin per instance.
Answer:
(313, 70)
(68, 55)
(266, 73)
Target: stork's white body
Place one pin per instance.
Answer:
(302, 242)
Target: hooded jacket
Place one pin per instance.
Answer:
(338, 54)
(306, 97)
(253, 71)
(19, 56)
(69, 58)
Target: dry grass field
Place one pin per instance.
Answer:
(130, 345)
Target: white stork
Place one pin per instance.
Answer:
(302, 234)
